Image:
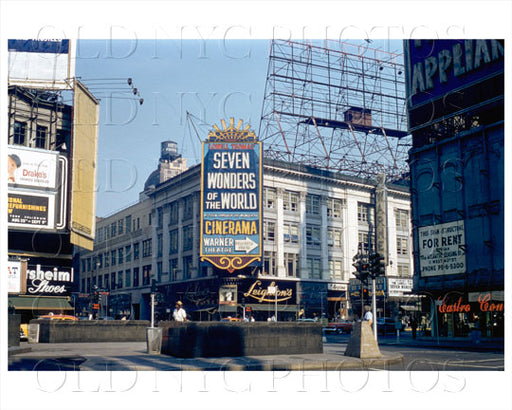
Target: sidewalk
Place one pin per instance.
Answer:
(133, 356)
(459, 343)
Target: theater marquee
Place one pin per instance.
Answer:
(231, 185)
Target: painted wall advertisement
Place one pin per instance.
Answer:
(231, 184)
(442, 249)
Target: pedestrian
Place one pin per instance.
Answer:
(179, 314)
(368, 316)
(414, 326)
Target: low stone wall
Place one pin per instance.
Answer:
(14, 330)
(86, 331)
(230, 339)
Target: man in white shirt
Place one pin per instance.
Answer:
(179, 314)
(368, 316)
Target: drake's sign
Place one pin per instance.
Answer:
(49, 281)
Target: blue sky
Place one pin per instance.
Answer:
(211, 80)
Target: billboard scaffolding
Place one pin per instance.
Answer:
(336, 106)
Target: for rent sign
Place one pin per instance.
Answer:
(442, 249)
(231, 184)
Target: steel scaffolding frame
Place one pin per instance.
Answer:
(312, 91)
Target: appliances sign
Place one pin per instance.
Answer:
(231, 185)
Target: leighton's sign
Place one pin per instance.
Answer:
(259, 291)
(231, 183)
(50, 281)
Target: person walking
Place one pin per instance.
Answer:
(179, 314)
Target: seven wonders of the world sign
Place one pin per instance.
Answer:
(231, 186)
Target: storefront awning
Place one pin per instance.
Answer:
(40, 303)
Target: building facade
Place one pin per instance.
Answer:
(314, 223)
(456, 116)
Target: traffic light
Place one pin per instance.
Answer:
(362, 267)
(377, 265)
(153, 285)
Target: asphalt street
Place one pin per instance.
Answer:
(397, 354)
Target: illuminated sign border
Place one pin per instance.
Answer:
(233, 261)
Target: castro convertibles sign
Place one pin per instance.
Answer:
(49, 280)
(231, 185)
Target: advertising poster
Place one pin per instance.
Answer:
(231, 184)
(14, 277)
(442, 249)
(31, 210)
(32, 168)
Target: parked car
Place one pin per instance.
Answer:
(340, 326)
(386, 325)
(230, 319)
(24, 331)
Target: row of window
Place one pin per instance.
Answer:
(117, 256)
(118, 280)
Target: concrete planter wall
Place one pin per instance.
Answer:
(14, 330)
(56, 331)
(214, 339)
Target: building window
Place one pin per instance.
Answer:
(106, 258)
(128, 223)
(402, 270)
(106, 229)
(334, 207)
(88, 285)
(89, 264)
(160, 217)
(173, 241)
(334, 238)
(363, 212)
(173, 215)
(113, 230)
(269, 230)
(335, 269)
(291, 233)
(291, 201)
(401, 245)
(113, 280)
(41, 134)
(291, 263)
(402, 219)
(20, 132)
(105, 277)
(119, 279)
(120, 227)
(84, 262)
(159, 272)
(313, 235)
(362, 242)
(100, 235)
(159, 245)
(113, 258)
(146, 248)
(269, 263)
(187, 267)
(173, 270)
(83, 286)
(314, 268)
(128, 253)
(120, 255)
(188, 238)
(149, 219)
(146, 274)
(135, 277)
(188, 207)
(127, 278)
(312, 204)
(269, 198)
(99, 261)
(136, 247)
